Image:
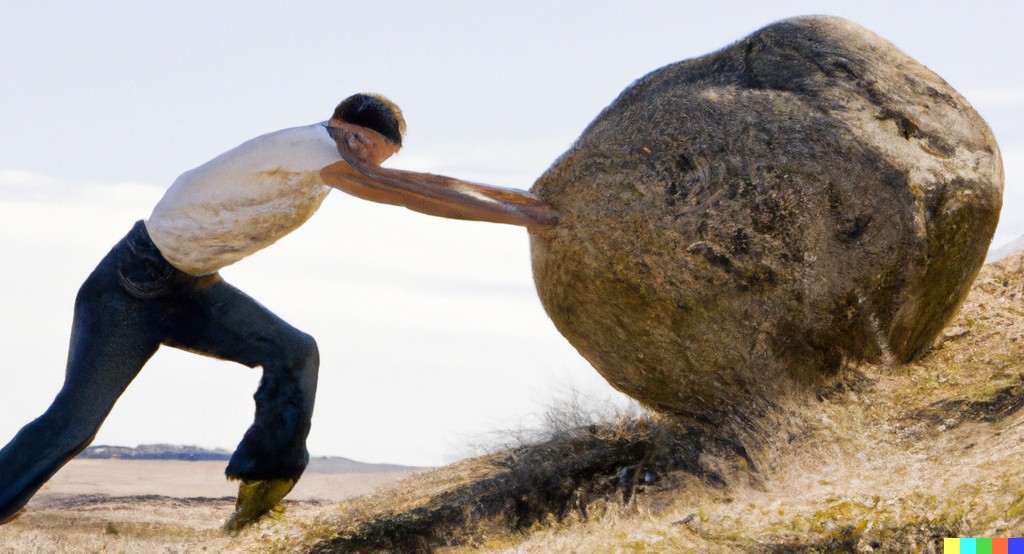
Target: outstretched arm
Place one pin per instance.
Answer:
(431, 194)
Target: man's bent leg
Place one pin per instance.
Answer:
(111, 339)
(221, 321)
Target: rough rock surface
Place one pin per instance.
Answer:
(756, 217)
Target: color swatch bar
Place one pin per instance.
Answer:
(983, 546)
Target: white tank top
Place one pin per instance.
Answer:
(243, 200)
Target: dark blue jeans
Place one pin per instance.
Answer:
(131, 304)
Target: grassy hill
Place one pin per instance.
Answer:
(888, 459)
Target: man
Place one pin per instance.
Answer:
(159, 285)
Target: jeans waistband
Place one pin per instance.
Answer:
(142, 269)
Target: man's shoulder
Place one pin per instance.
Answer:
(304, 148)
(314, 134)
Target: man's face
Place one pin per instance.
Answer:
(363, 143)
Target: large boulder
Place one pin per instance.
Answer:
(757, 217)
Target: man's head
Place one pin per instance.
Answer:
(368, 129)
(375, 112)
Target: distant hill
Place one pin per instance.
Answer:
(321, 464)
(154, 452)
(1012, 247)
(337, 464)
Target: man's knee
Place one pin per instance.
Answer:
(300, 359)
(302, 352)
(290, 351)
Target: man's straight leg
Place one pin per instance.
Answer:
(112, 337)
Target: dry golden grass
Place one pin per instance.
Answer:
(890, 459)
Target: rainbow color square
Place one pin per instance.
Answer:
(983, 546)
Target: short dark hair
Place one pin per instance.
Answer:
(373, 111)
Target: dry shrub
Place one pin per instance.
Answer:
(560, 471)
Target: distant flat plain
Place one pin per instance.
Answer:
(325, 479)
(143, 506)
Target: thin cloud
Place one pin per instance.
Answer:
(24, 185)
(18, 185)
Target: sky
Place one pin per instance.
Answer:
(432, 339)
